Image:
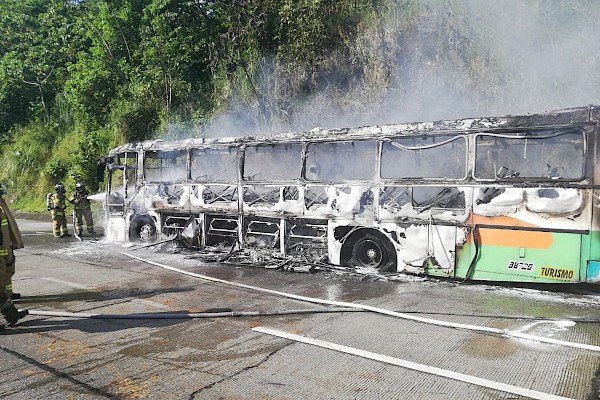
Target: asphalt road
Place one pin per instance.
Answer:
(158, 353)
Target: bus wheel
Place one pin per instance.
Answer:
(143, 230)
(147, 232)
(372, 250)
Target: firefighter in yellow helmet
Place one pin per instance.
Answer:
(57, 204)
(82, 208)
(10, 238)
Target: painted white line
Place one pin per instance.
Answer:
(36, 234)
(533, 394)
(383, 311)
(66, 283)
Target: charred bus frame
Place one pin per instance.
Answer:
(511, 198)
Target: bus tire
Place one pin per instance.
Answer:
(143, 230)
(371, 249)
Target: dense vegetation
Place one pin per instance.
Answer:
(78, 77)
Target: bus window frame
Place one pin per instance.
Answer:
(185, 151)
(242, 169)
(374, 168)
(452, 137)
(238, 157)
(122, 191)
(122, 164)
(523, 135)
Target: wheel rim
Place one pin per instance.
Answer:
(369, 253)
(146, 233)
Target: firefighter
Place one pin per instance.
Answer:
(16, 243)
(10, 238)
(57, 204)
(82, 209)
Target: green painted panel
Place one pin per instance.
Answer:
(559, 263)
(594, 245)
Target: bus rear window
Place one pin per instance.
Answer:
(273, 162)
(340, 161)
(214, 165)
(532, 155)
(424, 157)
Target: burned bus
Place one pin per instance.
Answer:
(511, 198)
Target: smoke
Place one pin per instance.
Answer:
(546, 52)
(474, 58)
(454, 59)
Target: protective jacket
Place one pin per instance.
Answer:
(58, 204)
(80, 201)
(12, 234)
(5, 244)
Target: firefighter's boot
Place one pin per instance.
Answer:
(11, 314)
(14, 317)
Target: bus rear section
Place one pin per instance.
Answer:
(592, 242)
(517, 253)
(533, 216)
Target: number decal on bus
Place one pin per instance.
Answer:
(521, 265)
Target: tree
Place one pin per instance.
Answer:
(32, 56)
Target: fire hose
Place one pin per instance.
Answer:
(341, 307)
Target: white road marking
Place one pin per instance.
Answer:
(448, 324)
(66, 283)
(533, 394)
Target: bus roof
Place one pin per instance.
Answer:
(557, 118)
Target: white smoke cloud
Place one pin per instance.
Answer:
(465, 58)
(547, 51)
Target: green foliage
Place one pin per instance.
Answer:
(310, 29)
(31, 59)
(90, 89)
(134, 122)
(23, 162)
(56, 169)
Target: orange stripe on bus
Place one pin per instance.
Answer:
(508, 237)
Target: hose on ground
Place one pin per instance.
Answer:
(476, 328)
(175, 315)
